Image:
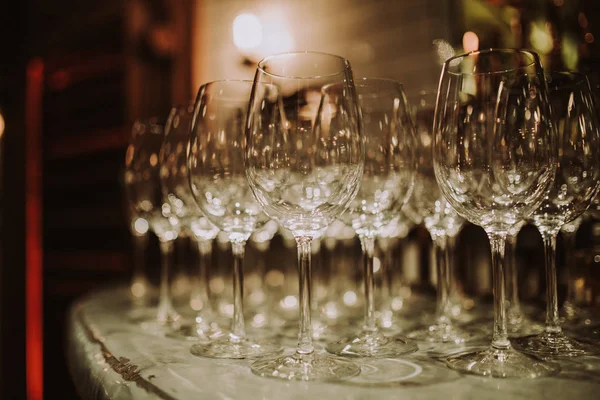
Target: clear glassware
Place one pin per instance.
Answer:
(442, 223)
(304, 163)
(258, 313)
(140, 286)
(576, 183)
(495, 159)
(518, 323)
(386, 185)
(393, 290)
(221, 190)
(571, 313)
(143, 189)
(176, 189)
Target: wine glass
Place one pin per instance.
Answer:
(177, 192)
(386, 185)
(143, 189)
(442, 223)
(220, 188)
(304, 163)
(576, 183)
(494, 160)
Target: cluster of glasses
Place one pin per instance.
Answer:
(308, 149)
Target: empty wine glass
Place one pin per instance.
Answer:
(220, 188)
(494, 159)
(576, 183)
(442, 223)
(386, 185)
(177, 192)
(143, 189)
(304, 163)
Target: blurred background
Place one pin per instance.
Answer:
(74, 75)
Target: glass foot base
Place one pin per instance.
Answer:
(235, 348)
(372, 345)
(501, 363)
(555, 344)
(320, 331)
(589, 333)
(310, 367)
(442, 333)
(195, 332)
(523, 327)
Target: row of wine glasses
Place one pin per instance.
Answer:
(305, 144)
(507, 150)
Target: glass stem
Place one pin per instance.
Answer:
(454, 293)
(569, 247)
(139, 281)
(238, 330)
(443, 279)
(201, 291)
(552, 321)
(511, 275)
(500, 337)
(305, 346)
(367, 243)
(165, 307)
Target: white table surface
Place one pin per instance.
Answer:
(112, 358)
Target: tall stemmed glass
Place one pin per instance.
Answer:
(304, 164)
(495, 159)
(142, 184)
(442, 223)
(176, 189)
(576, 184)
(386, 185)
(220, 187)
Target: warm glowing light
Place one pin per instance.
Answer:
(196, 303)
(138, 290)
(247, 31)
(349, 298)
(589, 38)
(541, 37)
(227, 309)
(570, 52)
(274, 278)
(376, 264)
(216, 285)
(259, 320)
(289, 302)
(2, 125)
(330, 310)
(397, 303)
(470, 42)
(443, 49)
(141, 226)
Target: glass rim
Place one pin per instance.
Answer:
(358, 81)
(226, 81)
(579, 80)
(448, 63)
(261, 64)
(222, 82)
(394, 84)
